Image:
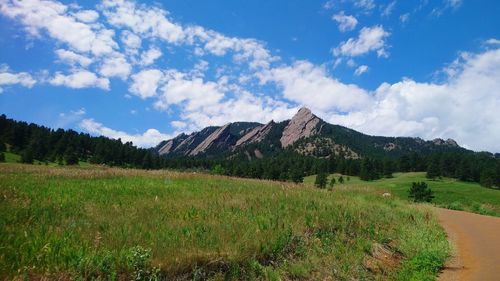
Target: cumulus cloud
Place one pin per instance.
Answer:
(149, 138)
(194, 93)
(310, 85)
(131, 40)
(149, 56)
(72, 58)
(115, 65)
(87, 16)
(53, 17)
(12, 78)
(80, 79)
(153, 22)
(346, 23)
(369, 39)
(464, 107)
(145, 83)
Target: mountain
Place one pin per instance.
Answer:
(305, 134)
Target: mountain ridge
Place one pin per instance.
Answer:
(304, 133)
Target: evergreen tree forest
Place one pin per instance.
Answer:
(68, 147)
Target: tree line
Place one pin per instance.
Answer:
(42, 144)
(34, 142)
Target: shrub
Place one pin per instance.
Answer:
(218, 170)
(420, 192)
(2, 157)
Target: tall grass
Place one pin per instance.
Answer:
(448, 193)
(109, 223)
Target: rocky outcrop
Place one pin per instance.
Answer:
(255, 135)
(448, 142)
(219, 136)
(170, 146)
(304, 124)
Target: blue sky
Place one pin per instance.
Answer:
(146, 71)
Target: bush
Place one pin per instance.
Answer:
(139, 260)
(420, 192)
(2, 157)
(218, 170)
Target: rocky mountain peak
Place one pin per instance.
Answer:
(221, 135)
(303, 124)
(256, 134)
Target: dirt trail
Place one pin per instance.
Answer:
(476, 242)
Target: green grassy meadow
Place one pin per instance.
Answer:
(448, 193)
(97, 223)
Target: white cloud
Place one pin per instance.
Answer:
(131, 40)
(179, 125)
(72, 58)
(310, 85)
(329, 5)
(145, 83)
(87, 16)
(370, 39)
(364, 4)
(193, 93)
(150, 56)
(11, 78)
(464, 107)
(54, 18)
(115, 65)
(346, 23)
(492, 41)
(147, 21)
(447, 5)
(388, 9)
(404, 18)
(453, 3)
(70, 117)
(149, 138)
(80, 79)
(152, 22)
(360, 70)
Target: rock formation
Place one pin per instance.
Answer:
(303, 124)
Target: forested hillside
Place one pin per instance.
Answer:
(44, 145)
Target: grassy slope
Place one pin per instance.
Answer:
(87, 222)
(449, 193)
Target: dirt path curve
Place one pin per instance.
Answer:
(476, 242)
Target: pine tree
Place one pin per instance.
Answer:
(368, 171)
(27, 156)
(297, 176)
(321, 180)
(420, 192)
(70, 156)
(433, 169)
(388, 168)
(332, 182)
(488, 177)
(341, 180)
(404, 163)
